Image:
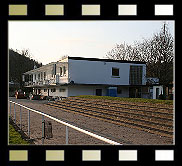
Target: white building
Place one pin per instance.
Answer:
(74, 76)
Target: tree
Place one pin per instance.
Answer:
(19, 63)
(157, 52)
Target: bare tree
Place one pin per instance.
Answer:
(157, 52)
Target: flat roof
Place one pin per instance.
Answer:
(106, 60)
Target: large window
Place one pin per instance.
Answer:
(64, 70)
(44, 75)
(62, 90)
(136, 75)
(53, 90)
(61, 71)
(54, 70)
(39, 76)
(115, 72)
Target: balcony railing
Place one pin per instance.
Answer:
(52, 81)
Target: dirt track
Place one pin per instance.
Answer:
(123, 135)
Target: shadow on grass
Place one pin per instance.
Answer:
(17, 136)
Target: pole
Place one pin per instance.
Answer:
(66, 135)
(43, 129)
(29, 123)
(14, 113)
(20, 119)
(10, 108)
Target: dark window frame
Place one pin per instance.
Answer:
(115, 72)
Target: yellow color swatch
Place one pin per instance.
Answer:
(18, 155)
(127, 155)
(16, 10)
(54, 155)
(54, 10)
(90, 9)
(127, 10)
(91, 155)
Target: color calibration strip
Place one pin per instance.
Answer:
(91, 155)
(91, 10)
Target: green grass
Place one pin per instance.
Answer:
(15, 137)
(140, 100)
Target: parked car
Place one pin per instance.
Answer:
(43, 97)
(19, 94)
(34, 97)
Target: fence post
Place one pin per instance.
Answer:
(10, 108)
(66, 135)
(20, 119)
(29, 123)
(14, 113)
(43, 123)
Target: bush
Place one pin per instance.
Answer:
(161, 97)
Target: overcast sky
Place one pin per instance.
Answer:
(47, 41)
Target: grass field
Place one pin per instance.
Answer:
(141, 100)
(15, 137)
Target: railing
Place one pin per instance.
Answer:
(47, 82)
(57, 120)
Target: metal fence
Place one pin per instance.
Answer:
(67, 125)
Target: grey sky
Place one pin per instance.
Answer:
(49, 40)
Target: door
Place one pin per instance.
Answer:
(157, 93)
(98, 92)
(135, 92)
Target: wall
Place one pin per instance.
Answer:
(57, 93)
(160, 90)
(85, 90)
(99, 72)
(124, 92)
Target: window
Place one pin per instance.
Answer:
(54, 70)
(44, 75)
(61, 90)
(45, 90)
(98, 92)
(39, 76)
(136, 75)
(64, 70)
(53, 90)
(61, 71)
(115, 72)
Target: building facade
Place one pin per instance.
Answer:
(73, 76)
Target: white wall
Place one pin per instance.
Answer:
(85, 90)
(57, 93)
(124, 92)
(160, 90)
(99, 72)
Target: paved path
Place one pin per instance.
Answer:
(121, 134)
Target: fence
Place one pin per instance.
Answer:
(67, 125)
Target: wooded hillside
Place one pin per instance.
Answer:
(20, 63)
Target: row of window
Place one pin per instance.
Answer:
(62, 70)
(54, 90)
(41, 76)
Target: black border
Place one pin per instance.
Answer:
(73, 154)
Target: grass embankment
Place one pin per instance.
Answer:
(139, 100)
(15, 137)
